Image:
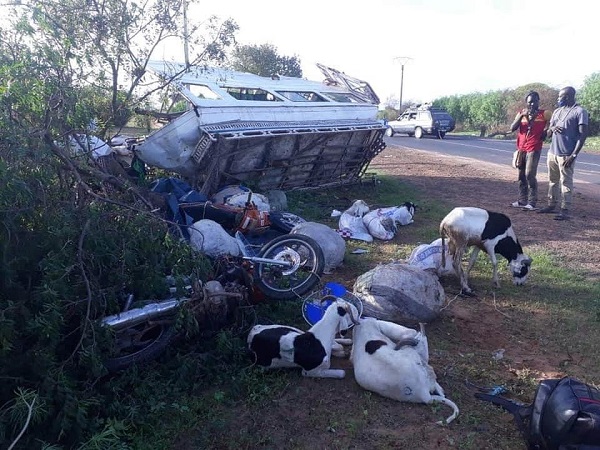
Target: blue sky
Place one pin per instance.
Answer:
(456, 46)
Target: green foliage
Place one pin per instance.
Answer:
(72, 238)
(515, 99)
(75, 62)
(72, 273)
(388, 113)
(264, 60)
(589, 97)
(495, 110)
(490, 110)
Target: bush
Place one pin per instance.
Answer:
(66, 254)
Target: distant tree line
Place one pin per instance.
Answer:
(492, 112)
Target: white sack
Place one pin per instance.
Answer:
(89, 144)
(354, 228)
(332, 244)
(382, 223)
(239, 200)
(351, 221)
(210, 238)
(400, 293)
(429, 257)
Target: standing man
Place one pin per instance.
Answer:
(569, 128)
(532, 124)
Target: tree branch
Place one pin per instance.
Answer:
(29, 414)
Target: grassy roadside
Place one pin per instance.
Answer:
(205, 394)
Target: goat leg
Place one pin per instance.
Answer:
(458, 268)
(472, 258)
(495, 271)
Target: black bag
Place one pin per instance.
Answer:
(564, 415)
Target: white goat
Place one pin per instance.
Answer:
(276, 346)
(485, 230)
(393, 361)
(383, 223)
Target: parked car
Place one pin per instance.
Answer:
(420, 120)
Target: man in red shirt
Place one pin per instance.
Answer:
(532, 124)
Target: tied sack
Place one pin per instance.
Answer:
(429, 257)
(565, 414)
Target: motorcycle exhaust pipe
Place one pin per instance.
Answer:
(137, 316)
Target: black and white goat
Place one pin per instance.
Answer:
(485, 230)
(393, 361)
(277, 346)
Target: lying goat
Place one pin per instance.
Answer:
(486, 230)
(393, 361)
(351, 221)
(383, 223)
(276, 346)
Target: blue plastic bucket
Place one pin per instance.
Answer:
(313, 310)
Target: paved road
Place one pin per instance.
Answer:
(496, 151)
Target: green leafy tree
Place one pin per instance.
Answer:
(515, 99)
(71, 235)
(455, 106)
(264, 60)
(389, 113)
(589, 97)
(105, 46)
(492, 112)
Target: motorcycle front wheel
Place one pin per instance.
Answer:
(286, 283)
(139, 344)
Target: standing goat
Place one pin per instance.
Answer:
(393, 361)
(485, 230)
(276, 346)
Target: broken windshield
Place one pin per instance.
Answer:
(299, 96)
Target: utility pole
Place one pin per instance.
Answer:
(403, 60)
(186, 50)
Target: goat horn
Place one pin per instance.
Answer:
(354, 320)
(404, 342)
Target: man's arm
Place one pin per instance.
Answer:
(583, 133)
(545, 132)
(549, 126)
(517, 122)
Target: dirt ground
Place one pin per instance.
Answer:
(337, 414)
(465, 182)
